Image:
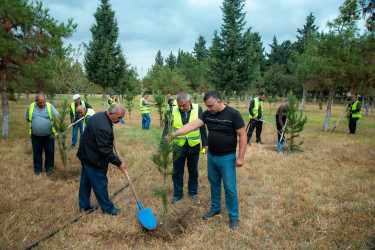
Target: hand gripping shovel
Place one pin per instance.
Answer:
(145, 215)
(80, 119)
(279, 143)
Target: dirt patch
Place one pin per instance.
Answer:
(68, 173)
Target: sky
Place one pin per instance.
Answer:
(146, 26)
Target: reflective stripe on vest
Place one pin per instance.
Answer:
(354, 107)
(31, 110)
(72, 106)
(256, 108)
(193, 137)
(144, 109)
(113, 101)
(89, 112)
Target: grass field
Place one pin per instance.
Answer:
(322, 197)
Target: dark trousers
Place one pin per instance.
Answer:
(353, 125)
(99, 183)
(255, 124)
(280, 128)
(178, 174)
(40, 143)
(76, 127)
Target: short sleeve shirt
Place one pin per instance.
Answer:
(41, 123)
(144, 102)
(222, 126)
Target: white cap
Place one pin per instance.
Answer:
(76, 96)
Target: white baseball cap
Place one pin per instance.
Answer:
(76, 96)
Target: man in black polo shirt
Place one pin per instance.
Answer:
(95, 152)
(224, 124)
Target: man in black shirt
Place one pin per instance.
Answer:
(95, 152)
(186, 147)
(224, 124)
(256, 114)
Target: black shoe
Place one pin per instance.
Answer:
(233, 224)
(115, 211)
(211, 214)
(37, 172)
(175, 199)
(49, 171)
(89, 208)
(260, 142)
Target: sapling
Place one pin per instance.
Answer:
(129, 105)
(296, 121)
(60, 129)
(160, 99)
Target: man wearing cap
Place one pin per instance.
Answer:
(111, 100)
(75, 116)
(144, 107)
(355, 112)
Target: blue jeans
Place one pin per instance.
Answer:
(223, 168)
(178, 174)
(40, 143)
(78, 125)
(146, 120)
(99, 183)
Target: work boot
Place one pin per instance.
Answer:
(260, 142)
(89, 208)
(211, 214)
(194, 197)
(233, 223)
(175, 199)
(115, 211)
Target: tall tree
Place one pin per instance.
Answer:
(200, 51)
(171, 61)
(28, 35)
(159, 60)
(104, 62)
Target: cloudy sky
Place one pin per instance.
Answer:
(147, 26)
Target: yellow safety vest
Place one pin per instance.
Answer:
(89, 112)
(31, 110)
(113, 101)
(144, 109)
(194, 137)
(256, 107)
(72, 106)
(354, 107)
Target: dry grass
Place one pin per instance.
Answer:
(321, 197)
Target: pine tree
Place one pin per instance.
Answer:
(171, 61)
(159, 60)
(61, 129)
(200, 51)
(308, 28)
(28, 36)
(296, 121)
(104, 62)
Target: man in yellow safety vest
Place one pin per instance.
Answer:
(187, 147)
(87, 113)
(40, 116)
(256, 115)
(75, 116)
(144, 107)
(355, 114)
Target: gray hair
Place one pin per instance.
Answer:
(116, 107)
(80, 108)
(42, 94)
(183, 96)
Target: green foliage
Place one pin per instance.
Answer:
(60, 130)
(159, 60)
(165, 80)
(272, 100)
(129, 105)
(195, 97)
(200, 50)
(320, 104)
(160, 99)
(296, 121)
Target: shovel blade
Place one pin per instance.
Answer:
(147, 218)
(279, 146)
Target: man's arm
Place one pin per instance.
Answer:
(243, 143)
(72, 118)
(88, 106)
(188, 128)
(251, 108)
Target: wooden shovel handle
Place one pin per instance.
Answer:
(126, 173)
(284, 130)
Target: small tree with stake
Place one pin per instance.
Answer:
(160, 99)
(163, 160)
(296, 121)
(129, 105)
(60, 129)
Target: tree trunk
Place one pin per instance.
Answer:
(342, 99)
(304, 97)
(5, 107)
(367, 103)
(91, 95)
(283, 96)
(52, 99)
(329, 105)
(372, 106)
(239, 100)
(27, 96)
(19, 96)
(246, 101)
(314, 100)
(57, 97)
(104, 98)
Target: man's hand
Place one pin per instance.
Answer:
(283, 128)
(254, 118)
(122, 167)
(169, 137)
(239, 162)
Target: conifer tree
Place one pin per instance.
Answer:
(104, 62)
(171, 61)
(159, 60)
(296, 121)
(200, 51)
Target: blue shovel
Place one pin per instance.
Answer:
(281, 138)
(145, 215)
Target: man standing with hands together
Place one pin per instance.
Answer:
(224, 124)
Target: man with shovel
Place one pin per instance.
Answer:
(86, 113)
(256, 114)
(280, 121)
(95, 152)
(355, 113)
(75, 116)
(224, 124)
